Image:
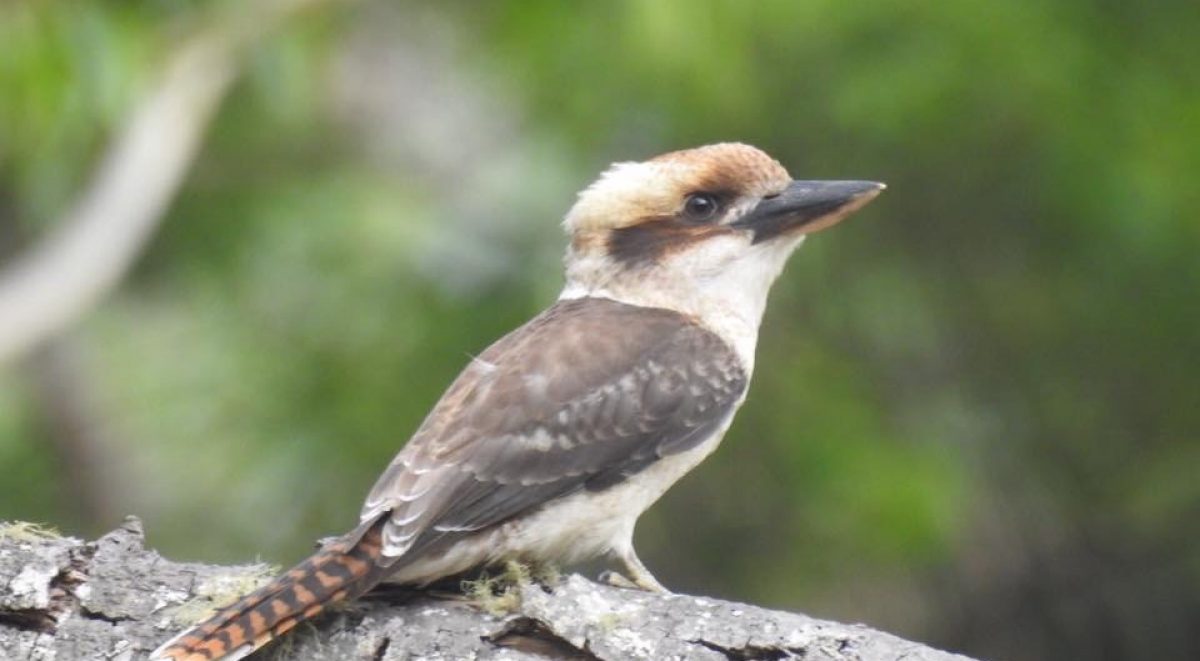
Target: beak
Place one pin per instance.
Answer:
(807, 206)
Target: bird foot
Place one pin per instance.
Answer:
(618, 580)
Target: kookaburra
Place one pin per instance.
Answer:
(552, 442)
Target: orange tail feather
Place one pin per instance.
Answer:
(334, 574)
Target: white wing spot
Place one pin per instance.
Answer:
(540, 440)
(537, 384)
(415, 493)
(448, 528)
(406, 520)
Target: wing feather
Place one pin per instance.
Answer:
(583, 396)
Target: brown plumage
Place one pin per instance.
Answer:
(586, 393)
(619, 388)
(555, 439)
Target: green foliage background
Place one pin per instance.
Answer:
(976, 414)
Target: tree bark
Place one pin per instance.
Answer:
(65, 599)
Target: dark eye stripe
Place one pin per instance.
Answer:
(652, 239)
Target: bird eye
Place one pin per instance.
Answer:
(700, 207)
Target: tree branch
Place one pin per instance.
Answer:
(61, 598)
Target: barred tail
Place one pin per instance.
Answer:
(340, 572)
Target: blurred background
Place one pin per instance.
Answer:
(976, 419)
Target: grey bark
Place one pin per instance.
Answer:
(63, 599)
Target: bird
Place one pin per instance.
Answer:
(553, 441)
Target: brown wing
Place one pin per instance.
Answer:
(587, 393)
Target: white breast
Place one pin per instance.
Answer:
(578, 527)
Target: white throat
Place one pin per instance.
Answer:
(728, 300)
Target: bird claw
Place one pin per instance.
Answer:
(616, 580)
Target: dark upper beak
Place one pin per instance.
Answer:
(807, 206)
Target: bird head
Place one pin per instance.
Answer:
(699, 229)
